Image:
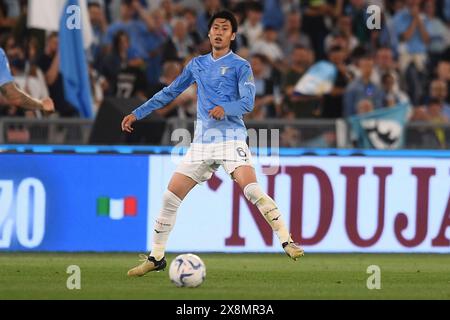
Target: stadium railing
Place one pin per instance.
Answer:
(296, 133)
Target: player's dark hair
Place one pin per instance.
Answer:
(227, 15)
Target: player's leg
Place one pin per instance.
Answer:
(179, 186)
(246, 178)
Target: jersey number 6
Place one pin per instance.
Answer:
(241, 152)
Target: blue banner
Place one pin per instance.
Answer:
(73, 203)
(380, 129)
(77, 89)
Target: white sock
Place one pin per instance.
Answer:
(269, 210)
(164, 224)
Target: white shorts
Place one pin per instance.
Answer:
(202, 160)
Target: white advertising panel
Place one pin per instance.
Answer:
(330, 204)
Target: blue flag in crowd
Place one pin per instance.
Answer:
(380, 129)
(318, 79)
(73, 66)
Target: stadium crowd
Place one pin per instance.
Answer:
(141, 46)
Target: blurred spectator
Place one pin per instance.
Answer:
(169, 9)
(27, 75)
(31, 82)
(8, 43)
(385, 63)
(137, 29)
(413, 32)
(196, 5)
(49, 64)
(443, 73)
(445, 10)
(315, 14)
(290, 137)
(99, 28)
(291, 35)
(337, 39)
(436, 111)
(9, 14)
(252, 28)
(300, 60)
(364, 106)
(437, 116)
(409, 56)
(265, 88)
(332, 104)
(357, 9)
(154, 43)
(190, 16)
(439, 92)
(122, 70)
(273, 15)
(179, 45)
(392, 95)
(386, 35)
(210, 7)
(299, 105)
(344, 29)
(241, 41)
(439, 33)
(268, 46)
(362, 88)
(423, 136)
(98, 86)
(182, 105)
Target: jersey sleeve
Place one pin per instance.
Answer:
(5, 73)
(167, 94)
(246, 93)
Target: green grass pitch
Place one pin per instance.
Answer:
(229, 276)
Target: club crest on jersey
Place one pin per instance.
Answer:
(223, 70)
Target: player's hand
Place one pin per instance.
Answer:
(127, 122)
(47, 105)
(217, 113)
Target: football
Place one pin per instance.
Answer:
(187, 270)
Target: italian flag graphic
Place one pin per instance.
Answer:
(116, 209)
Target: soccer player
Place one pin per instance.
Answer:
(226, 91)
(14, 95)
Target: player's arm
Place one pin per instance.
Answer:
(19, 98)
(246, 92)
(160, 99)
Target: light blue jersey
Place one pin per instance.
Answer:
(227, 82)
(5, 72)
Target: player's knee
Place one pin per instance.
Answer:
(253, 192)
(170, 201)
